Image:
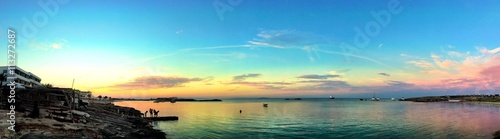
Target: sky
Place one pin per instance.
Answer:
(258, 48)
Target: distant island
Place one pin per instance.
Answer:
(458, 98)
(293, 99)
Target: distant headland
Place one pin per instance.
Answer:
(493, 99)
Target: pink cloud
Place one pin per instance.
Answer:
(493, 72)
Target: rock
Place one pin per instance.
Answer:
(496, 135)
(106, 132)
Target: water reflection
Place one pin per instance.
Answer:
(324, 119)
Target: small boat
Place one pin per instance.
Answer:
(393, 99)
(375, 98)
(454, 100)
(332, 97)
(265, 104)
(402, 99)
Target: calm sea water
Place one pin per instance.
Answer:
(324, 118)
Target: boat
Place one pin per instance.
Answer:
(402, 99)
(375, 98)
(393, 99)
(265, 104)
(454, 100)
(331, 97)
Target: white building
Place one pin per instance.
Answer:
(23, 77)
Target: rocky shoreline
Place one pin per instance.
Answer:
(106, 121)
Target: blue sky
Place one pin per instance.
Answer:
(188, 48)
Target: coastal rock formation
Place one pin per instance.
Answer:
(107, 121)
(496, 135)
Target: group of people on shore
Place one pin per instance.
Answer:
(152, 113)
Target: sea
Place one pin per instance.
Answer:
(323, 118)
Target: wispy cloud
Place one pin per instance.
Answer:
(262, 84)
(383, 74)
(315, 76)
(487, 51)
(398, 83)
(57, 44)
(152, 82)
(444, 63)
(325, 85)
(245, 76)
(236, 55)
(339, 72)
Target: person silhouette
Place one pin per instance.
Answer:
(150, 112)
(146, 114)
(241, 111)
(156, 113)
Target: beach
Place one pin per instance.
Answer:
(105, 121)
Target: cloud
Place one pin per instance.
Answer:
(457, 54)
(236, 55)
(339, 72)
(57, 44)
(486, 51)
(315, 76)
(421, 64)
(265, 44)
(457, 81)
(262, 85)
(443, 64)
(493, 72)
(325, 85)
(245, 76)
(151, 82)
(398, 83)
(383, 74)
(409, 56)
